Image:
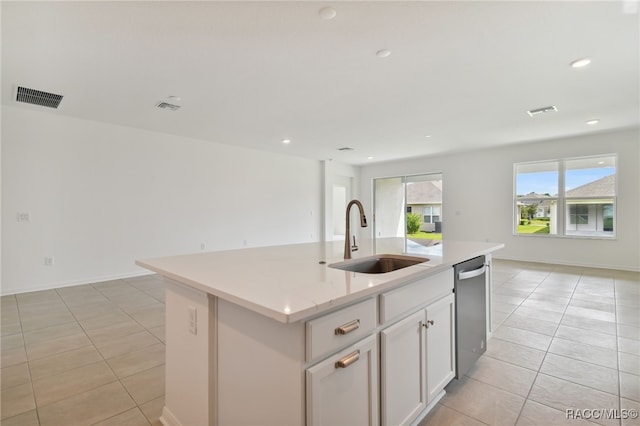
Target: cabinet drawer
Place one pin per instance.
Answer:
(402, 300)
(338, 329)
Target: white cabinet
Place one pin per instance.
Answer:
(417, 358)
(441, 362)
(343, 389)
(403, 370)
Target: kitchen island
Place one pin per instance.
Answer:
(276, 335)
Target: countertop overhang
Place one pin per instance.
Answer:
(292, 283)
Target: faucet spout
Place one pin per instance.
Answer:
(347, 237)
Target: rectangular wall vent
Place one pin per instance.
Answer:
(533, 112)
(38, 97)
(166, 105)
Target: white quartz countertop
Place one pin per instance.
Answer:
(288, 283)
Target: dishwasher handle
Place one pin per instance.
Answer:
(472, 274)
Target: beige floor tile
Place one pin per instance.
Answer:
(539, 314)
(514, 300)
(16, 400)
(64, 361)
(597, 305)
(153, 410)
(158, 294)
(88, 407)
(629, 346)
(14, 376)
(510, 291)
(50, 389)
(52, 347)
(588, 337)
(630, 415)
(513, 353)
(482, 402)
(630, 386)
(508, 377)
(10, 327)
(629, 363)
(535, 414)
(531, 324)
(583, 352)
(105, 320)
(135, 362)
(159, 332)
(628, 332)
(523, 337)
(132, 417)
(45, 296)
(146, 385)
(125, 344)
(45, 320)
(562, 395)
(29, 418)
(591, 313)
(545, 305)
(445, 416)
(13, 356)
(11, 341)
(503, 307)
(84, 313)
(150, 317)
(52, 333)
(591, 375)
(102, 336)
(606, 327)
(628, 316)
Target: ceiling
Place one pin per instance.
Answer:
(254, 73)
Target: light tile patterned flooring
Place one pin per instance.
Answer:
(565, 338)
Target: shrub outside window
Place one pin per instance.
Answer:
(583, 188)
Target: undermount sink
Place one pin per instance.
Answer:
(379, 264)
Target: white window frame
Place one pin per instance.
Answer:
(561, 199)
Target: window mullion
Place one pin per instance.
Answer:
(562, 205)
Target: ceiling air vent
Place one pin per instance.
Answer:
(38, 97)
(345, 148)
(533, 112)
(167, 105)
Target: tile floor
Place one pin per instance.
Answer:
(565, 338)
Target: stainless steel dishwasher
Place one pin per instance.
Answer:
(471, 313)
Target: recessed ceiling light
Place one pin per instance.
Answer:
(427, 136)
(592, 122)
(579, 63)
(286, 141)
(327, 13)
(383, 53)
(370, 158)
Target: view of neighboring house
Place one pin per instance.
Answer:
(425, 198)
(589, 208)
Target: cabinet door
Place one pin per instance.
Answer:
(343, 389)
(441, 363)
(403, 374)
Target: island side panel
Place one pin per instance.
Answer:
(261, 377)
(190, 357)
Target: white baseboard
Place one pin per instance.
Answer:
(71, 283)
(168, 419)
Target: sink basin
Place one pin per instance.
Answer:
(379, 264)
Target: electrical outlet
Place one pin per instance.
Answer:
(49, 261)
(23, 217)
(193, 320)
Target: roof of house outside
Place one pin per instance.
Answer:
(598, 188)
(427, 192)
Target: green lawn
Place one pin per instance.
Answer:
(425, 236)
(536, 227)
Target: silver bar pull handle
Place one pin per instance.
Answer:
(348, 327)
(471, 274)
(348, 360)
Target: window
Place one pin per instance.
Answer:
(583, 188)
(405, 203)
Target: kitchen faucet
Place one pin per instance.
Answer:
(347, 236)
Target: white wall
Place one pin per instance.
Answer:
(101, 196)
(478, 198)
